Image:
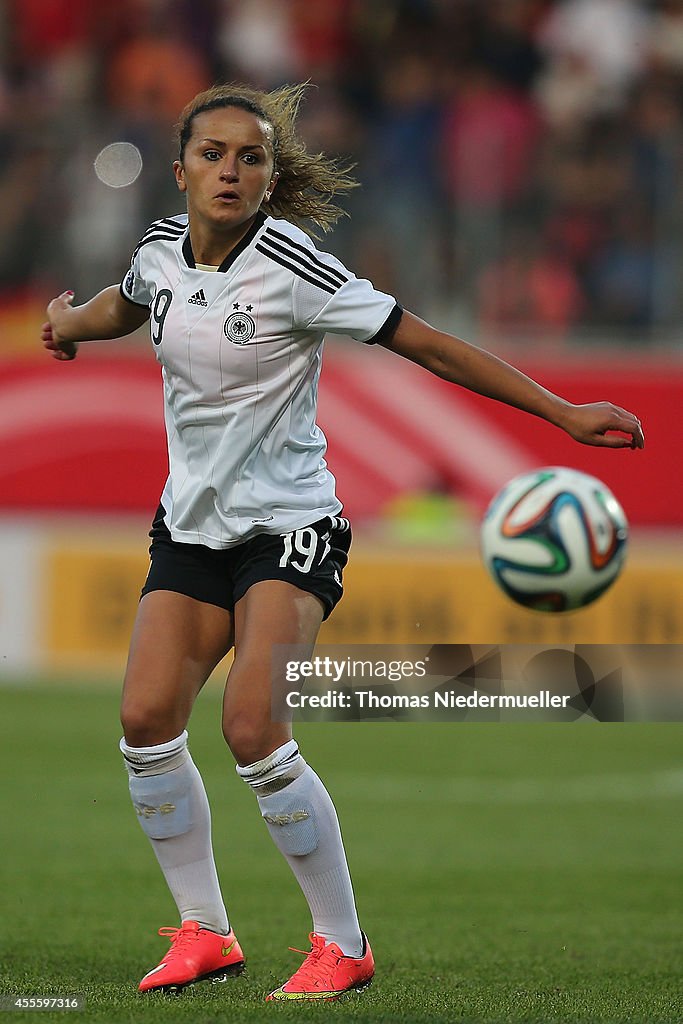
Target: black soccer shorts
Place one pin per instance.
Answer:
(312, 558)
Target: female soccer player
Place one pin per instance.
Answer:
(248, 546)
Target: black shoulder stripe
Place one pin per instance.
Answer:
(165, 229)
(160, 233)
(154, 238)
(284, 251)
(172, 221)
(294, 268)
(315, 263)
(307, 252)
(164, 225)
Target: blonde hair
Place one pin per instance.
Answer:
(308, 182)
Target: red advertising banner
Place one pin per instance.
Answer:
(89, 435)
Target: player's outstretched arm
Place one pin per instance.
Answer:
(107, 315)
(480, 371)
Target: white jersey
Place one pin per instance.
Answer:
(241, 354)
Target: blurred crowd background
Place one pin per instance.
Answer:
(520, 164)
(520, 159)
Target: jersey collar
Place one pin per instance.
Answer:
(259, 221)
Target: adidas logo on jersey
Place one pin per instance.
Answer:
(199, 298)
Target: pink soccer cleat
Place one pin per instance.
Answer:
(195, 954)
(327, 973)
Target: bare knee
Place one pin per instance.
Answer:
(250, 739)
(146, 725)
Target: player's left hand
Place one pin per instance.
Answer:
(604, 425)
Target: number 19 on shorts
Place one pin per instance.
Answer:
(301, 546)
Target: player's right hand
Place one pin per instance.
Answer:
(59, 347)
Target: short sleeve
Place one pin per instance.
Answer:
(355, 308)
(133, 288)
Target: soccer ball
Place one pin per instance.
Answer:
(554, 539)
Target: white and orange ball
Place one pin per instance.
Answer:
(554, 539)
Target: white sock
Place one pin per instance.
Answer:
(169, 797)
(303, 822)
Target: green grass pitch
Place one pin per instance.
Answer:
(526, 873)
